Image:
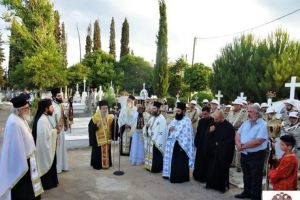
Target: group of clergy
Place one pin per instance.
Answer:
(31, 159)
(145, 137)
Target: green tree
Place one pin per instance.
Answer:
(112, 43)
(97, 36)
(2, 59)
(256, 66)
(57, 29)
(176, 72)
(125, 39)
(101, 66)
(88, 40)
(136, 72)
(282, 62)
(64, 45)
(232, 68)
(76, 74)
(197, 77)
(16, 52)
(161, 77)
(41, 63)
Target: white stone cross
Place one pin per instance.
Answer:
(84, 82)
(100, 93)
(242, 96)
(293, 84)
(219, 96)
(177, 98)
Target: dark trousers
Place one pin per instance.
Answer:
(253, 166)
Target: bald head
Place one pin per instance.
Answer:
(218, 116)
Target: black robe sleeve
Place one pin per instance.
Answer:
(115, 130)
(92, 133)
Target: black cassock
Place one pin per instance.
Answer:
(115, 127)
(96, 158)
(201, 161)
(50, 180)
(220, 154)
(157, 161)
(23, 189)
(179, 166)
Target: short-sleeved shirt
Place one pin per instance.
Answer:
(254, 130)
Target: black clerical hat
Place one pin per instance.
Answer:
(55, 91)
(181, 105)
(44, 103)
(102, 103)
(157, 104)
(116, 104)
(131, 97)
(19, 101)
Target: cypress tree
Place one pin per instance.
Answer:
(64, 45)
(97, 37)
(125, 39)
(161, 76)
(2, 58)
(88, 40)
(57, 30)
(16, 52)
(112, 43)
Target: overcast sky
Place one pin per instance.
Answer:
(186, 19)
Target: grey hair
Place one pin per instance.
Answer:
(257, 109)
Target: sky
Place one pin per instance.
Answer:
(186, 19)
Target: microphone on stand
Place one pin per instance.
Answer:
(118, 172)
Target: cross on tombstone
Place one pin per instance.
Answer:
(177, 98)
(293, 84)
(100, 93)
(242, 96)
(219, 96)
(84, 82)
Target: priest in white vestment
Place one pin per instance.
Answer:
(127, 123)
(179, 154)
(155, 136)
(46, 136)
(58, 119)
(19, 178)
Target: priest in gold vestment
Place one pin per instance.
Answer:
(100, 137)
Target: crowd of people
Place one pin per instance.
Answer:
(206, 139)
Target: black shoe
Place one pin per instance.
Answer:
(242, 196)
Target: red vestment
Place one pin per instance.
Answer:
(284, 177)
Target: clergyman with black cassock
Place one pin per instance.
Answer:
(179, 152)
(19, 178)
(45, 134)
(220, 150)
(115, 124)
(100, 130)
(155, 136)
(201, 159)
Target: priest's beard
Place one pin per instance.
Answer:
(50, 113)
(103, 114)
(27, 117)
(129, 105)
(179, 116)
(155, 114)
(58, 100)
